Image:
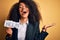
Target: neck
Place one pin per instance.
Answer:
(23, 20)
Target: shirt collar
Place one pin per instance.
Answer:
(27, 22)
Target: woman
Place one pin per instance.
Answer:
(26, 13)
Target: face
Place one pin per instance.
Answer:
(24, 10)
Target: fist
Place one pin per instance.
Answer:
(9, 31)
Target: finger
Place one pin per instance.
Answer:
(50, 25)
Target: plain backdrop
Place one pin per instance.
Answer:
(50, 11)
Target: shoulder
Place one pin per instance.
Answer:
(36, 24)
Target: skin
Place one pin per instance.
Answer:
(24, 12)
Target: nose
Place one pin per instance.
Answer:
(23, 9)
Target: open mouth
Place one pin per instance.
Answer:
(24, 12)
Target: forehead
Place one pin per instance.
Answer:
(22, 4)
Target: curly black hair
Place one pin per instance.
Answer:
(34, 14)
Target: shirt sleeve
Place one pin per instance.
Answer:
(43, 35)
(40, 35)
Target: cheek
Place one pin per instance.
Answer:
(28, 14)
(28, 11)
(20, 11)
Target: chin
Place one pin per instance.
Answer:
(24, 17)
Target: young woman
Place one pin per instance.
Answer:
(25, 13)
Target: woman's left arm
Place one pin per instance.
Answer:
(44, 29)
(41, 35)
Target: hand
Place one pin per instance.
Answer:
(9, 31)
(47, 26)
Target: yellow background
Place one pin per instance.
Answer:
(50, 11)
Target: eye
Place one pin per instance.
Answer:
(20, 7)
